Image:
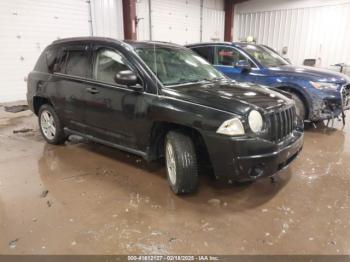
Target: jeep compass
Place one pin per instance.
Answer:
(160, 100)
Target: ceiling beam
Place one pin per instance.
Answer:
(129, 19)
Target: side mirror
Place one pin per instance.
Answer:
(243, 65)
(126, 77)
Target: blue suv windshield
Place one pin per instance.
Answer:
(264, 56)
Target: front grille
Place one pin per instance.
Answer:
(281, 123)
(345, 94)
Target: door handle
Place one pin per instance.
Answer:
(92, 90)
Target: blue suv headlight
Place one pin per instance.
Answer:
(324, 85)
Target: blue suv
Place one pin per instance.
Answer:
(318, 94)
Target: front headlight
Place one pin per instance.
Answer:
(231, 127)
(255, 121)
(324, 85)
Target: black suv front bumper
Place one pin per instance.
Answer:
(242, 159)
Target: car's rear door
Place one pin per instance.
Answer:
(71, 68)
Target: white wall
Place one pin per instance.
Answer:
(107, 18)
(213, 20)
(142, 13)
(179, 21)
(176, 21)
(309, 28)
(26, 28)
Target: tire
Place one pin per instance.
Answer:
(50, 125)
(181, 163)
(299, 105)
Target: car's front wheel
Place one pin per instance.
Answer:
(50, 125)
(181, 163)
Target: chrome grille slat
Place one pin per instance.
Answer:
(276, 127)
(292, 119)
(290, 123)
(286, 130)
(287, 122)
(281, 124)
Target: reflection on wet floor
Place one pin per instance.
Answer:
(87, 198)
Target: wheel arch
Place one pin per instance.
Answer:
(159, 131)
(38, 101)
(297, 91)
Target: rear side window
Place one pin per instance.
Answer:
(51, 59)
(77, 63)
(41, 64)
(206, 52)
(48, 60)
(74, 61)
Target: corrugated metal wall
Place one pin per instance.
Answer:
(26, 28)
(107, 18)
(320, 32)
(180, 21)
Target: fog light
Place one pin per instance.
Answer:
(257, 171)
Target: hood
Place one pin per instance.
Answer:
(230, 96)
(312, 73)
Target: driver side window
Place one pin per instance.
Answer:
(108, 63)
(228, 56)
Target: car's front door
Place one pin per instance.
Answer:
(225, 60)
(111, 107)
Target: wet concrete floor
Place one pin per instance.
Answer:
(84, 198)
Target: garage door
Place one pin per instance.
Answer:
(180, 21)
(27, 27)
(176, 21)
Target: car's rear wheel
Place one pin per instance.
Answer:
(181, 163)
(300, 106)
(50, 125)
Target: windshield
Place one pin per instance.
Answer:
(265, 56)
(177, 66)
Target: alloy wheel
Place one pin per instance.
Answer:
(170, 163)
(47, 124)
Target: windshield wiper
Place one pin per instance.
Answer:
(215, 79)
(185, 80)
